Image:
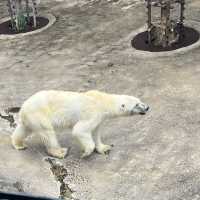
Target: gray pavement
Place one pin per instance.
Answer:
(156, 156)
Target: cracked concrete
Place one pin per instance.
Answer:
(155, 156)
(6, 115)
(60, 173)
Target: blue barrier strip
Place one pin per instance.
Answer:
(15, 196)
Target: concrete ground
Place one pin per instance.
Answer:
(156, 156)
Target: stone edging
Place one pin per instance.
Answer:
(50, 17)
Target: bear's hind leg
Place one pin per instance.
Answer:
(18, 137)
(53, 147)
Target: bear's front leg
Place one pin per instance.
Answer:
(86, 142)
(82, 131)
(103, 149)
(100, 147)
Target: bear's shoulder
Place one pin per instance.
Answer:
(96, 94)
(101, 98)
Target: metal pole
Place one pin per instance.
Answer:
(34, 13)
(182, 11)
(165, 23)
(27, 11)
(10, 10)
(149, 24)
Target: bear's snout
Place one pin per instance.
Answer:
(144, 109)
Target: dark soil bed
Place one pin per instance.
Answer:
(139, 42)
(5, 27)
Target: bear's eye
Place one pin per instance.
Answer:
(123, 105)
(137, 105)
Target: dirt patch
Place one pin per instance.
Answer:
(5, 27)
(139, 42)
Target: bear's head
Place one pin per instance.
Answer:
(130, 105)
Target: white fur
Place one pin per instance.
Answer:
(48, 112)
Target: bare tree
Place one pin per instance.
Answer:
(21, 12)
(165, 31)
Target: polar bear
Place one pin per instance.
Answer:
(51, 111)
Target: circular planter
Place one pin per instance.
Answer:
(140, 42)
(47, 20)
(191, 26)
